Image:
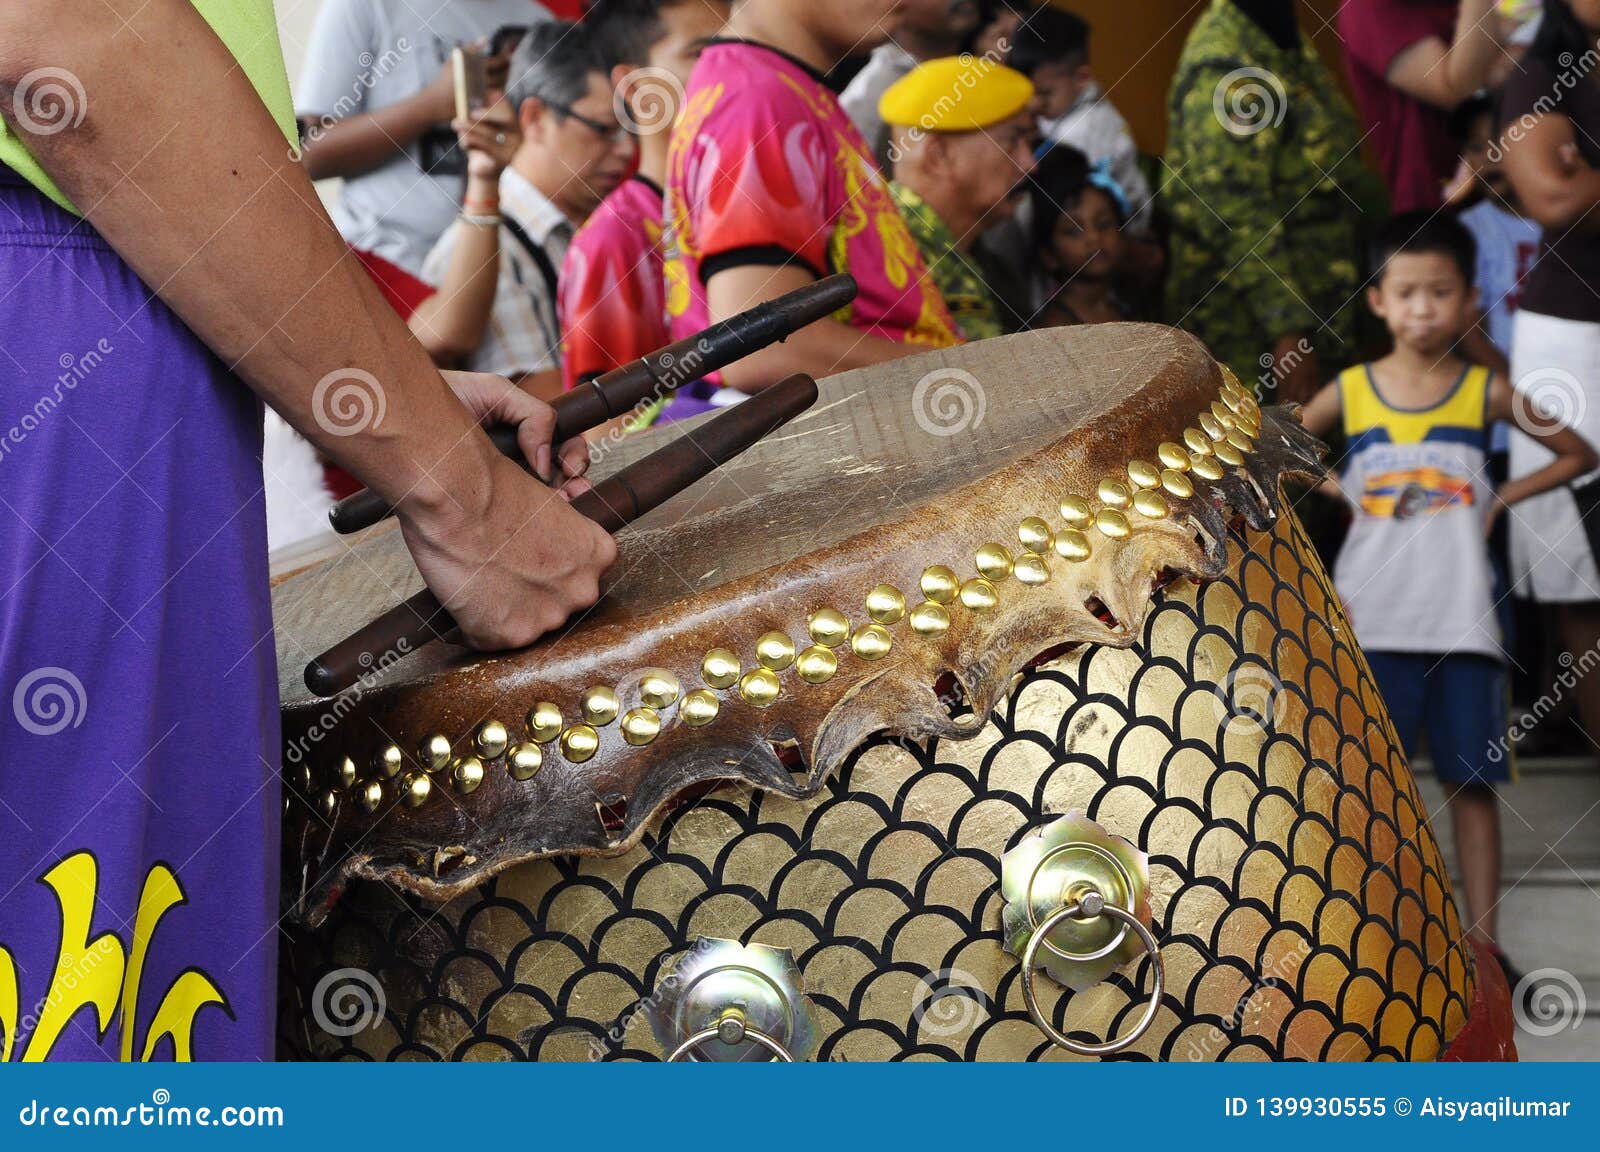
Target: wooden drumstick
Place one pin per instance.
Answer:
(615, 501)
(621, 390)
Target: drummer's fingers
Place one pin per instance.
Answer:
(572, 489)
(496, 111)
(496, 400)
(536, 425)
(575, 456)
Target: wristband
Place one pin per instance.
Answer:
(490, 220)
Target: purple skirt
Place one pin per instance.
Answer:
(139, 785)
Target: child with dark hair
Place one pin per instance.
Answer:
(1077, 215)
(1508, 242)
(1414, 571)
(1051, 47)
(997, 26)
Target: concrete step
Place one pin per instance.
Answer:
(1581, 1043)
(1546, 922)
(1549, 908)
(1556, 1030)
(1550, 817)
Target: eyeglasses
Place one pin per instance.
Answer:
(613, 133)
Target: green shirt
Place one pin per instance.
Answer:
(249, 28)
(1262, 182)
(955, 274)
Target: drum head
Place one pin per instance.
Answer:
(879, 444)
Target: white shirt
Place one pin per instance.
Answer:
(369, 54)
(523, 334)
(1094, 127)
(1508, 245)
(888, 63)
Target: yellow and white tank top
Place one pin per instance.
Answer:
(249, 28)
(1414, 571)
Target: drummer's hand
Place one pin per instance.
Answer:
(507, 556)
(495, 400)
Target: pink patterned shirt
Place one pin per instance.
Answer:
(612, 298)
(766, 168)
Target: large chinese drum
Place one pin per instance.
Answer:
(996, 708)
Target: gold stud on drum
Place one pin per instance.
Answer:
(370, 795)
(886, 604)
(829, 627)
(600, 705)
(816, 664)
(775, 650)
(1077, 906)
(524, 761)
(721, 668)
(699, 707)
(435, 753)
(658, 688)
(343, 775)
(723, 1002)
(544, 722)
(388, 762)
(492, 739)
(1075, 511)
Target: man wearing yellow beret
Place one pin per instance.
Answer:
(961, 143)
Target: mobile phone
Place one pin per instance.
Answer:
(466, 66)
(506, 38)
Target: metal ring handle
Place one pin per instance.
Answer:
(761, 1038)
(1073, 911)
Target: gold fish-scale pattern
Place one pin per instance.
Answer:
(1301, 903)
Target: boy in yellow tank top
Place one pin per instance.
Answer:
(1414, 571)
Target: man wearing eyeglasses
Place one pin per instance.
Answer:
(375, 101)
(573, 153)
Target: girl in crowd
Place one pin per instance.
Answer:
(1077, 217)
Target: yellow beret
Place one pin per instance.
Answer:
(955, 94)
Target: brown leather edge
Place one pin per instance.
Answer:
(455, 843)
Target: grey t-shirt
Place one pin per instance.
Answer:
(369, 54)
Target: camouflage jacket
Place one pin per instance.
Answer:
(1264, 188)
(958, 275)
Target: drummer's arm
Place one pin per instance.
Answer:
(1573, 456)
(819, 349)
(178, 164)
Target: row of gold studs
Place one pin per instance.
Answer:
(1226, 431)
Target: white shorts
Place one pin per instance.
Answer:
(1555, 368)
